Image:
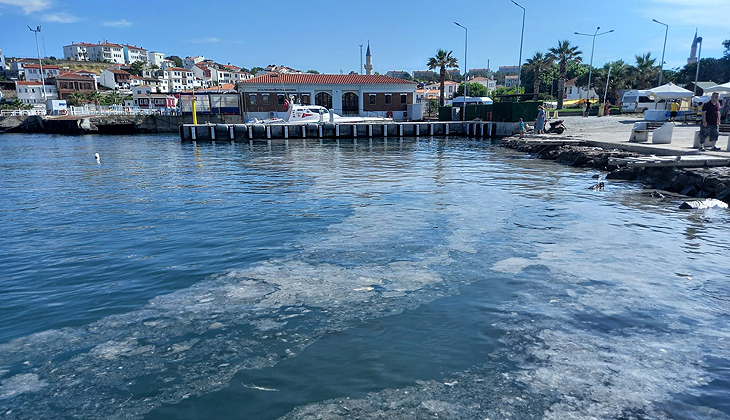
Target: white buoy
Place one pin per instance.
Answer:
(98, 159)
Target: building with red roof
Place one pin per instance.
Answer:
(33, 71)
(347, 94)
(105, 52)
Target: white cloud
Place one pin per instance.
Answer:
(204, 40)
(59, 17)
(28, 6)
(703, 14)
(122, 23)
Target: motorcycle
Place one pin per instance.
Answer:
(556, 127)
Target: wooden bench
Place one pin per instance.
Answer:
(661, 132)
(724, 130)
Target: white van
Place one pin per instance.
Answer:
(638, 101)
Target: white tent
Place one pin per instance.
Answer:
(669, 91)
(723, 88)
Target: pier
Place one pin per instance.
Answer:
(233, 132)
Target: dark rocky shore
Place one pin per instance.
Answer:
(712, 182)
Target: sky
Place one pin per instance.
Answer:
(325, 35)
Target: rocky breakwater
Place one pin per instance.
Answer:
(697, 182)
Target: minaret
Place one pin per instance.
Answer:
(693, 52)
(368, 61)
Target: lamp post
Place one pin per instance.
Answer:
(522, 38)
(590, 66)
(466, 39)
(40, 63)
(666, 32)
(697, 73)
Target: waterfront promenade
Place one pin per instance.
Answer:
(613, 132)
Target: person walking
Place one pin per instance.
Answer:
(607, 110)
(540, 121)
(673, 109)
(584, 109)
(710, 121)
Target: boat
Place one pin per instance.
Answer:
(302, 114)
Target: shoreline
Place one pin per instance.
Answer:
(696, 182)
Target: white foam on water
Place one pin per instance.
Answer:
(512, 265)
(21, 383)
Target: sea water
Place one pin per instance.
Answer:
(385, 278)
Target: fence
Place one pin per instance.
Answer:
(119, 110)
(22, 112)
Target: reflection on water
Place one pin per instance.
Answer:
(381, 278)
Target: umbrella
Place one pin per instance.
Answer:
(723, 88)
(669, 91)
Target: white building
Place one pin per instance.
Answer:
(510, 81)
(575, 92)
(449, 88)
(179, 79)
(31, 92)
(3, 66)
(104, 52)
(156, 58)
(77, 51)
(364, 95)
(133, 54)
(490, 84)
(204, 74)
(190, 62)
(115, 78)
(33, 72)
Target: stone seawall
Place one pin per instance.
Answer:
(692, 182)
(108, 124)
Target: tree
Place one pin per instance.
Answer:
(442, 60)
(136, 68)
(94, 96)
(175, 59)
(475, 89)
(496, 93)
(538, 64)
(255, 70)
(726, 44)
(564, 53)
(75, 98)
(312, 71)
(620, 78)
(645, 71)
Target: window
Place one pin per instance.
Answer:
(252, 99)
(403, 98)
(372, 99)
(388, 99)
(281, 99)
(305, 100)
(265, 99)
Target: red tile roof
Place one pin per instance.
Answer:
(45, 67)
(177, 69)
(329, 79)
(117, 71)
(222, 87)
(73, 76)
(28, 83)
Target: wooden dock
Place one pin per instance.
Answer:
(233, 132)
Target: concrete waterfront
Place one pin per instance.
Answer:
(257, 131)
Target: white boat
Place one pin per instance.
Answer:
(300, 114)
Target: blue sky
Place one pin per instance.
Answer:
(325, 35)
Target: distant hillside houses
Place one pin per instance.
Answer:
(105, 52)
(400, 74)
(509, 69)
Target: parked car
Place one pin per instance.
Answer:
(638, 101)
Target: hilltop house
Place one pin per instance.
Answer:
(572, 91)
(105, 52)
(449, 88)
(115, 78)
(68, 83)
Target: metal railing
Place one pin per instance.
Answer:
(22, 112)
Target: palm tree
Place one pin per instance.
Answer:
(644, 71)
(442, 60)
(539, 63)
(563, 54)
(94, 96)
(75, 98)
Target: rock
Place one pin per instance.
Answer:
(598, 187)
(702, 204)
(597, 176)
(657, 194)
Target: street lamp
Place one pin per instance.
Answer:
(40, 63)
(697, 72)
(590, 66)
(522, 37)
(466, 38)
(666, 32)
